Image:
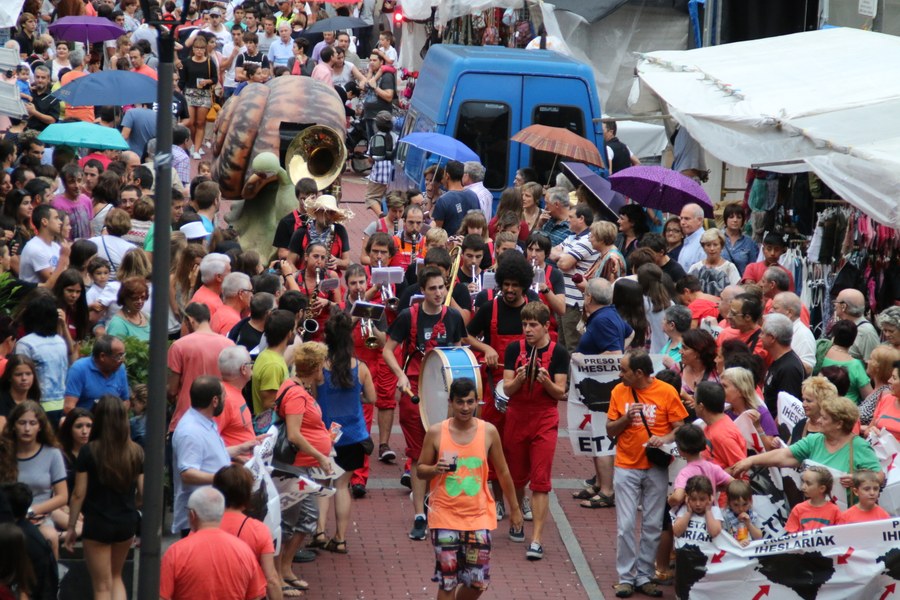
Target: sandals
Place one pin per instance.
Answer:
(666, 577)
(297, 584)
(587, 493)
(599, 500)
(318, 541)
(337, 547)
(289, 591)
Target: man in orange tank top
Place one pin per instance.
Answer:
(454, 459)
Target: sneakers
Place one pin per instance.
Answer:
(196, 155)
(526, 509)
(406, 479)
(420, 525)
(501, 511)
(535, 551)
(649, 589)
(358, 490)
(385, 454)
(517, 535)
(624, 590)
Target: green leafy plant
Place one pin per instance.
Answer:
(9, 294)
(137, 358)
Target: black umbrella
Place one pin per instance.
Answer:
(335, 24)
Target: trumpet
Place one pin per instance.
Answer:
(477, 281)
(397, 229)
(310, 325)
(391, 302)
(536, 286)
(414, 255)
(367, 329)
(456, 257)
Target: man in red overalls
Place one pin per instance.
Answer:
(498, 324)
(419, 329)
(535, 377)
(357, 282)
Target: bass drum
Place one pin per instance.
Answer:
(440, 367)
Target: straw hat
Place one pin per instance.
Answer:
(328, 203)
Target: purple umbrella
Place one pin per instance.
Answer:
(85, 29)
(660, 188)
(608, 202)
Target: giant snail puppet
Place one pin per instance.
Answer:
(292, 121)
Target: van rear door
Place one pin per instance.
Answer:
(486, 119)
(557, 102)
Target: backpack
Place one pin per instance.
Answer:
(381, 146)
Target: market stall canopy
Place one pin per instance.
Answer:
(826, 101)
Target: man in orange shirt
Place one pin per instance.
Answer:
(82, 113)
(187, 570)
(725, 444)
(139, 66)
(743, 318)
(236, 294)
(638, 404)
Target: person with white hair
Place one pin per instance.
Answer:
(691, 218)
(804, 342)
(473, 180)
(237, 292)
(786, 372)
(188, 572)
(214, 267)
(235, 423)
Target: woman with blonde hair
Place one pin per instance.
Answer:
(879, 368)
(610, 265)
(814, 390)
(715, 273)
(740, 393)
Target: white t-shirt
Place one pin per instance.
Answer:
(696, 529)
(804, 343)
(36, 256)
(112, 248)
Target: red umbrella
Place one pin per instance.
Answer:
(559, 141)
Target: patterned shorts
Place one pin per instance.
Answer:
(462, 557)
(198, 97)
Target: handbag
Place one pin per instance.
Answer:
(656, 456)
(284, 451)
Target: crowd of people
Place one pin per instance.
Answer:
(258, 340)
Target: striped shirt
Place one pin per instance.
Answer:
(579, 246)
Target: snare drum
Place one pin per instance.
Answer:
(439, 368)
(501, 400)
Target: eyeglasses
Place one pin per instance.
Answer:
(732, 313)
(841, 302)
(119, 356)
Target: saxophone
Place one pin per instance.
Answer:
(310, 325)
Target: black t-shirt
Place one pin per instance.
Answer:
(285, 230)
(559, 362)
(44, 104)
(42, 561)
(179, 106)
(454, 328)
(340, 233)
(784, 375)
(6, 403)
(26, 44)
(243, 334)
(674, 270)
(372, 104)
(259, 59)
(460, 294)
(557, 284)
(509, 320)
(102, 501)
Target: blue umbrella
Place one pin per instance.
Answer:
(440, 144)
(609, 202)
(106, 88)
(83, 135)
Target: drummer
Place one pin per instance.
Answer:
(357, 280)
(498, 323)
(419, 329)
(461, 299)
(535, 377)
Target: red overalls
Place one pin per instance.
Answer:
(410, 418)
(532, 423)
(499, 343)
(372, 359)
(384, 379)
(553, 327)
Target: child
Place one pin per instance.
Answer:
(819, 511)
(204, 168)
(101, 296)
(385, 47)
(867, 488)
(773, 247)
(700, 509)
(23, 76)
(139, 397)
(691, 441)
(740, 520)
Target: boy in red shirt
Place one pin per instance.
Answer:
(867, 488)
(818, 511)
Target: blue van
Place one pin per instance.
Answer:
(483, 95)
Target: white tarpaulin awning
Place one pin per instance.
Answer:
(826, 101)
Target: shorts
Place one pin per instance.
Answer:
(350, 457)
(109, 531)
(198, 97)
(529, 443)
(411, 421)
(462, 557)
(375, 194)
(301, 517)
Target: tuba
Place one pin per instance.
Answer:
(317, 152)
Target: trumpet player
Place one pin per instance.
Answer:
(535, 377)
(460, 299)
(325, 227)
(368, 339)
(409, 240)
(470, 267)
(391, 224)
(379, 249)
(552, 291)
(309, 283)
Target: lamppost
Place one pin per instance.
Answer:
(154, 449)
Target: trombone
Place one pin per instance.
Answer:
(456, 257)
(367, 330)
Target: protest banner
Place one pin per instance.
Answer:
(591, 381)
(265, 503)
(790, 412)
(846, 562)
